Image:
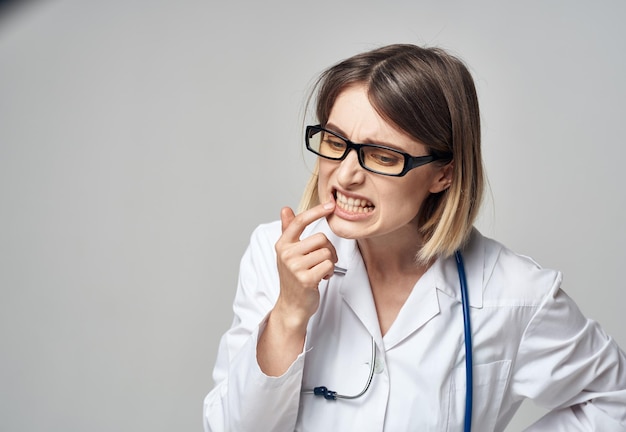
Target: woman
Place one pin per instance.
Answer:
(359, 293)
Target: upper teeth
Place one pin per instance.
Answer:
(353, 204)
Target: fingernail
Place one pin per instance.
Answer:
(329, 205)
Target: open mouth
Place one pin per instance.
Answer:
(353, 205)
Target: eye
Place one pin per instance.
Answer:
(333, 144)
(336, 144)
(384, 157)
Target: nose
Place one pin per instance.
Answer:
(350, 171)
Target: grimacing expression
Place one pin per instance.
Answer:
(370, 204)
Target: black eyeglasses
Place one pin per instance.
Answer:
(373, 157)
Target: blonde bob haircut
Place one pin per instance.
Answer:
(430, 95)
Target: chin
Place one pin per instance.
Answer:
(345, 229)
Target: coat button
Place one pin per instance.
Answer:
(379, 365)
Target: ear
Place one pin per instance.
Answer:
(443, 178)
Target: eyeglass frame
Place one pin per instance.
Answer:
(410, 161)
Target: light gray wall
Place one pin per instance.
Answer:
(142, 141)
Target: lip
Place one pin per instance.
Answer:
(346, 214)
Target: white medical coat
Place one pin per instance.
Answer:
(529, 341)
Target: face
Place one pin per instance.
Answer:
(369, 204)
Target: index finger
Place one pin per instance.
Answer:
(294, 230)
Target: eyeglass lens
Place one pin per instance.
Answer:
(374, 158)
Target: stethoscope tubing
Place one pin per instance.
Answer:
(333, 395)
(467, 329)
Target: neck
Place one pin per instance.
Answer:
(393, 254)
(392, 270)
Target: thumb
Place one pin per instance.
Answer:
(286, 216)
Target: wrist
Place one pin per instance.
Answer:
(289, 323)
(280, 343)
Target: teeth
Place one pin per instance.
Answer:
(354, 205)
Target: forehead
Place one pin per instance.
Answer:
(353, 116)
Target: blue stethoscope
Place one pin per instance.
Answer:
(332, 395)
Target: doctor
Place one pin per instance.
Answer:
(359, 292)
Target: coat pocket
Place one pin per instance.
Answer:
(490, 381)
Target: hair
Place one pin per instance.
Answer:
(430, 95)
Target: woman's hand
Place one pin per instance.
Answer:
(302, 264)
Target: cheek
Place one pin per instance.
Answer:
(322, 186)
(324, 173)
(404, 206)
(407, 198)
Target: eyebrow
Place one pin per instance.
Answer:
(334, 128)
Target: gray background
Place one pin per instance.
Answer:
(142, 141)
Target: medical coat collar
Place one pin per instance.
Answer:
(479, 268)
(422, 304)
